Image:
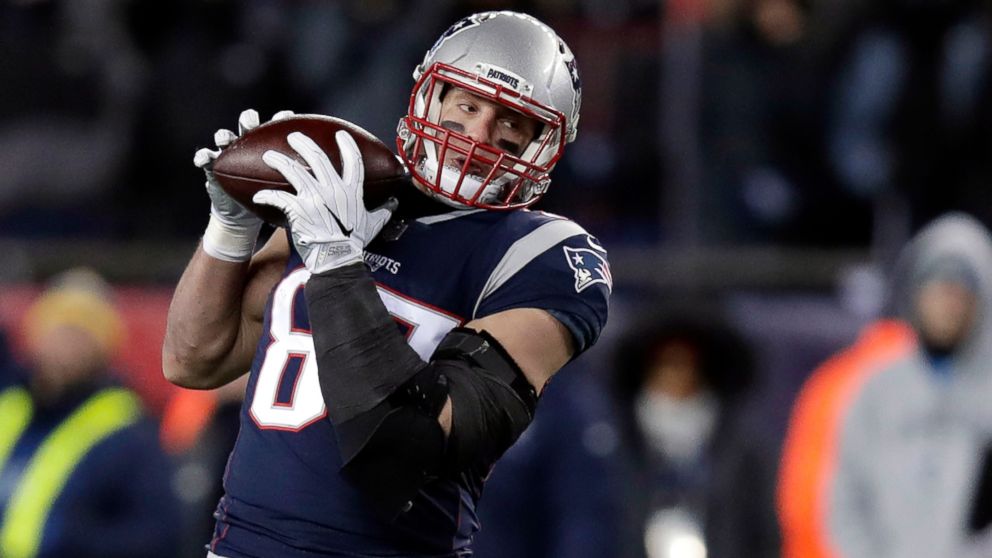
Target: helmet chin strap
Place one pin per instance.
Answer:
(469, 185)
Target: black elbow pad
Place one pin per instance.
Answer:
(393, 450)
(492, 401)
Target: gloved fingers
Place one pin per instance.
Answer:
(293, 172)
(205, 157)
(247, 121)
(352, 174)
(224, 137)
(283, 201)
(315, 157)
(282, 115)
(352, 167)
(330, 191)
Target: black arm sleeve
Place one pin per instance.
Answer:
(362, 357)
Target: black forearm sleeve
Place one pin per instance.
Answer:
(362, 357)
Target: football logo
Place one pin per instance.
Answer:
(589, 267)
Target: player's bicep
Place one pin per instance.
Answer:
(536, 340)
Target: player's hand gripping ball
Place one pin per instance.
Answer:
(328, 219)
(241, 172)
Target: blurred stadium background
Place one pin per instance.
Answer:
(764, 159)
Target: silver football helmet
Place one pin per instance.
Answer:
(509, 58)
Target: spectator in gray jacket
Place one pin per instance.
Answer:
(912, 446)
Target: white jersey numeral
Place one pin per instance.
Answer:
(290, 350)
(425, 326)
(281, 404)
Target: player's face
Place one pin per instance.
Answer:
(486, 122)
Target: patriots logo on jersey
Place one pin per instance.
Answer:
(589, 268)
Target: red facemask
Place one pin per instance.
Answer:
(509, 181)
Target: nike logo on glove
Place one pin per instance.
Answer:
(347, 232)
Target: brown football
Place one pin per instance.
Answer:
(242, 173)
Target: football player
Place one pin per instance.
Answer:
(395, 354)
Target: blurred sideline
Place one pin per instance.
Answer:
(139, 361)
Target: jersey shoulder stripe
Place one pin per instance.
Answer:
(434, 219)
(529, 246)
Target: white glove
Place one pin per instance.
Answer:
(232, 230)
(327, 216)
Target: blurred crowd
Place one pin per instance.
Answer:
(746, 425)
(796, 122)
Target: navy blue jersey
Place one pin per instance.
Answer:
(284, 493)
